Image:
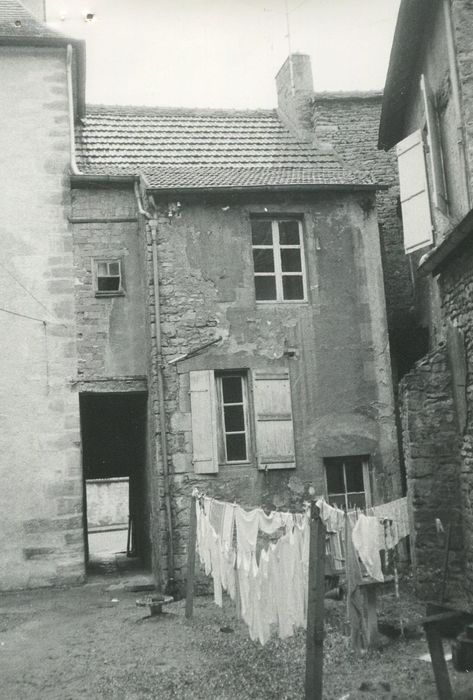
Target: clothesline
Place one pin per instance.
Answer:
(270, 583)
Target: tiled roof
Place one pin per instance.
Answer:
(16, 21)
(192, 148)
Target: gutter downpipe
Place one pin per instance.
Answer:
(447, 10)
(70, 99)
(153, 225)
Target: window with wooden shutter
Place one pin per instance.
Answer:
(273, 420)
(415, 204)
(204, 422)
(439, 196)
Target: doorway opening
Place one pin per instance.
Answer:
(113, 427)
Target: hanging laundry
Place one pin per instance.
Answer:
(365, 537)
(355, 603)
(332, 518)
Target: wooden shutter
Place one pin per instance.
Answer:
(416, 219)
(273, 420)
(204, 422)
(439, 197)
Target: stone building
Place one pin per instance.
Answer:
(427, 113)
(211, 312)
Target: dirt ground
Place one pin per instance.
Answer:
(93, 642)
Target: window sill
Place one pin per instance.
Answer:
(302, 302)
(110, 294)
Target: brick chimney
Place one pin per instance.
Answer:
(295, 90)
(36, 7)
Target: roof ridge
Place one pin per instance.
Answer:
(159, 109)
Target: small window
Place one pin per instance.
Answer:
(233, 399)
(108, 277)
(347, 481)
(278, 259)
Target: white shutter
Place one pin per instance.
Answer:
(204, 423)
(416, 219)
(273, 420)
(439, 196)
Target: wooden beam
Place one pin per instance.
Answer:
(439, 665)
(315, 608)
(191, 545)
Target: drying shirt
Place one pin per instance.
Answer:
(397, 512)
(332, 518)
(365, 537)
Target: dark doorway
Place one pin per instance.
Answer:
(113, 430)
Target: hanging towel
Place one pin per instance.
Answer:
(365, 537)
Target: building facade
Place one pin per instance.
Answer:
(427, 114)
(221, 319)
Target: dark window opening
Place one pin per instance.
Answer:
(347, 481)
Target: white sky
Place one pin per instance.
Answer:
(224, 53)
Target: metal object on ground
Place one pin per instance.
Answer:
(155, 603)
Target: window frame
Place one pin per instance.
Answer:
(108, 261)
(276, 247)
(365, 466)
(243, 374)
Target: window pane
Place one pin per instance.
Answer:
(102, 269)
(108, 284)
(289, 232)
(113, 268)
(335, 482)
(292, 287)
(337, 500)
(261, 232)
(232, 390)
(263, 259)
(236, 447)
(356, 500)
(291, 260)
(265, 287)
(234, 418)
(354, 475)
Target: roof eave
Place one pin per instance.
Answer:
(87, 179)
(411, 22)
(269, 188)
(438, 257)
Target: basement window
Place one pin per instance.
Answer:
(348, 482)
(108, 277)
(278, 259)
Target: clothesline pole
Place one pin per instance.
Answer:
(315, 608)
(191, 558)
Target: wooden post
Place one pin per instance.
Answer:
(315, 608)
(191, 558)
(439, 665)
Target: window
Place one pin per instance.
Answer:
(241, 417)
(108, 277)
(278, 259)
(347, 480)
(439, 196)
(233, 401)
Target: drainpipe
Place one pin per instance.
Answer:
(447, 11)
(70, 98)
(153, 225)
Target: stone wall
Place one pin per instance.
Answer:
(41, 535)
(350, 122)
(339, 363)
(110, 330)
(432, 454)
(462, 16)
(456, 283)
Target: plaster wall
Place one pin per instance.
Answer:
(41, 538)
(340, 374)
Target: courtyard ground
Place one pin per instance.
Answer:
(93, 642)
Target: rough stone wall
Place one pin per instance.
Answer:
(110, 330)
(457, 295)
(462, 15)
(340, 374)
(41, 537)
(350, 122)
(432, 454)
